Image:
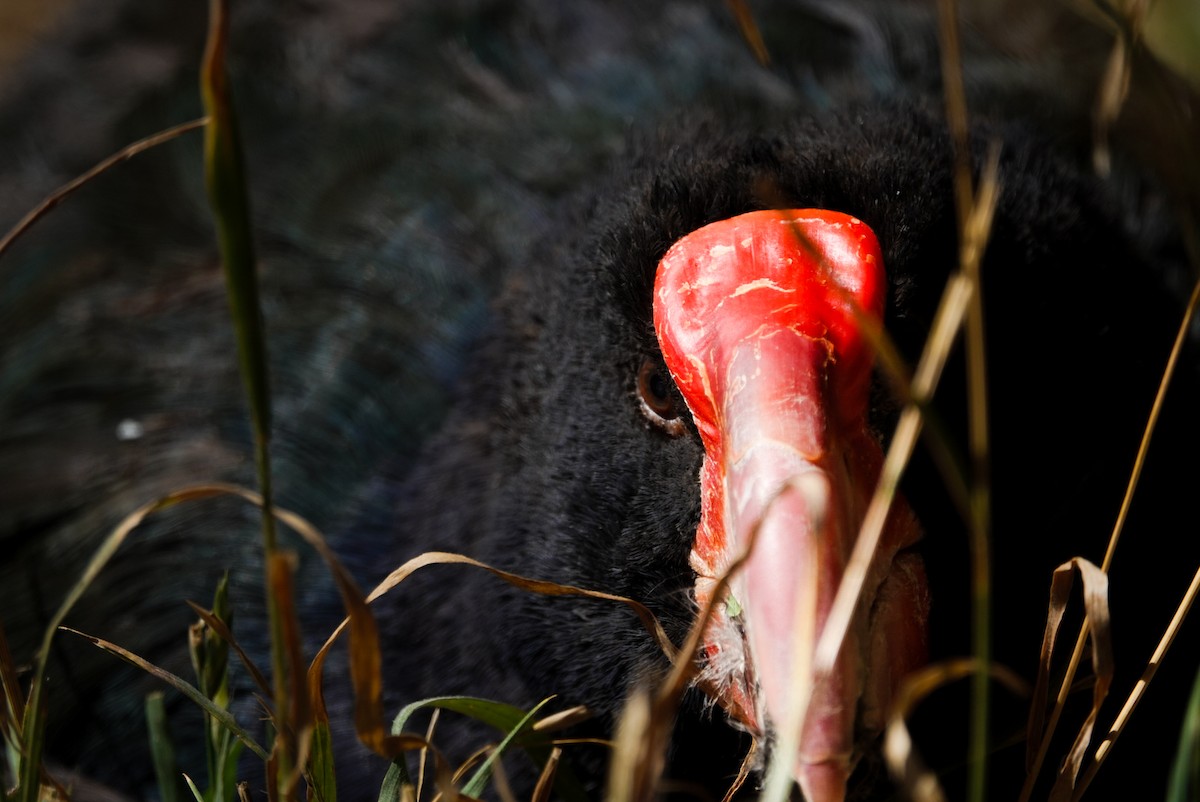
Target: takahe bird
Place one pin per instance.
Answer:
(689, 250)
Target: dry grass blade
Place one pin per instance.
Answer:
(124, 154)
(904, 763)
(499, 780)
(743, 772)
(472, 760)
(33, 717)
(956, 107)
(975, 236)
(684, 669)
(888, 358)
(366, 661)
(296, 740)
(750, 30)
(1095, 585)
(396, 784)
(545, 782)
(1095, 599)
(974, 224)
(273, 770)
(1139, 462)
(1105, 747)
(423, 755)
(222, 631)
(365, 665)
(636, 761)
(14, 716)
(951, 312)
(1113, 90)
(540, 586)
(562, 719)
(181, 685)
(1181, 337)
(31, 720)
(640, 746)
(365, 656)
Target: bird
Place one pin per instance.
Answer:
(568, 162)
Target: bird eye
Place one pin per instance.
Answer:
(656, 394)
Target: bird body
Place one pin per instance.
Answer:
(555, 156)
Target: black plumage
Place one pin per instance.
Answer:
(412, 163)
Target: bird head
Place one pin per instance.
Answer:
(762, 321)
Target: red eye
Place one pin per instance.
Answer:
(659, 401)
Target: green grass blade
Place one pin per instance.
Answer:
(225, 177)
(497, 715)
(226, 180)
(1185, 773)
(33, 736)
(162, 750)
(320, 764)
(230, 750)
(394, 782)
(505, 718)
(199, 797)
(479, 780)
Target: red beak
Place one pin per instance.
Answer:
(759, 318)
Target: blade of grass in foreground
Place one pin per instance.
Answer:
(123, 155)
(225, 177)
(1139, 461)
(1185, 774)
(32, 732)
(209, 642)
(519, 726)
(186, 688)
(162, 750)
(975, 206)
(904, 761)
(478, 781)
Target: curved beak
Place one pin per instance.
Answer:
(760, 320)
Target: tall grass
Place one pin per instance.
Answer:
(298, 756)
